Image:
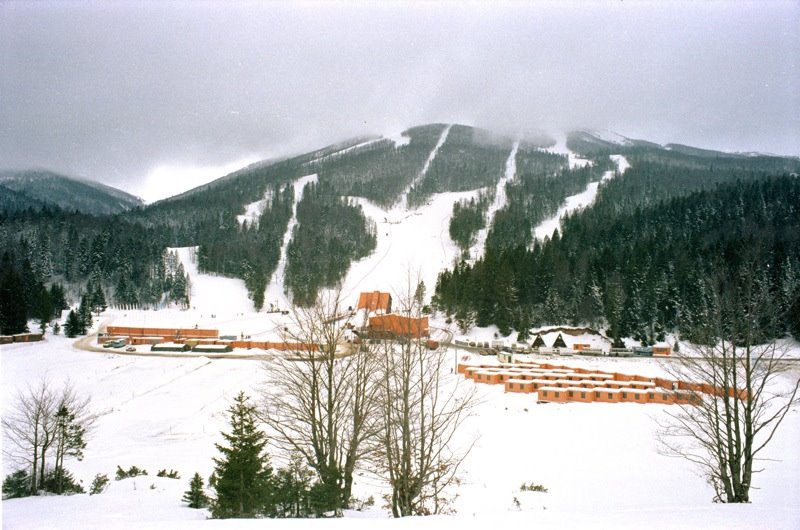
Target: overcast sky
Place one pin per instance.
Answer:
(158, 97)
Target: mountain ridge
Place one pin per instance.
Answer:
(39, 188)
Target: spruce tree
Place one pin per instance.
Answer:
(196, 496)
(242, 477)
(73, 326)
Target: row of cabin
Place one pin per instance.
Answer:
(21, 337)
(560, 347)
(560, 383)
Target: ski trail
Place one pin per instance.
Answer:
(562, 149)
(500, 200)
(580, 200)
(276, 290)
(254, 210)
(404, 199)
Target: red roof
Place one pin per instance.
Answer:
(400, 325)
(375, 301)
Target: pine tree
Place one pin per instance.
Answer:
(196, 496)
(85, 313)
(73, 326)
(69, 441)
(242, 477)
(99, 303)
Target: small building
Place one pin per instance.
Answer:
(519, 386)
(491, 377)
(662, 349)
(169, 347)
(559, 342)
(375, 302)
(607, 395)
(538, 342)
(581, 395)
(553, 394)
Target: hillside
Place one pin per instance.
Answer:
(37, 189)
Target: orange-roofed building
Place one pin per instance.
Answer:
(375, 302)
(398, 326)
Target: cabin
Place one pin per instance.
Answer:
(607, 395)
(582, 395)
(559, 342)
(553, 394)
(662, 350)
(392, 326)
(375, 302)
(538, 342)
(518, 385)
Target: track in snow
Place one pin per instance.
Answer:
(424, 171)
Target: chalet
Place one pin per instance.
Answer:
(559, 343)
(375, 302)
(538, 342)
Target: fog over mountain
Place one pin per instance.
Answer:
(156, 98)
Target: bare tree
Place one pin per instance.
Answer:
(742, 391)
(421, 411)
(320, 398)
(35, 425)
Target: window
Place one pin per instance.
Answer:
(556, 394)
(570, 394)
(610, 395)
(624, 395)
(583, 395)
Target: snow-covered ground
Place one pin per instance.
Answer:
(253, 211)
(599, 462)
(561, 148)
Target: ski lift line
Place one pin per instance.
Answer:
(500, 199)
(425, 167)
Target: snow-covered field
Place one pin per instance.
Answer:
(599, 462)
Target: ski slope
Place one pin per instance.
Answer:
(548, 227)
(500, 200)
(409, 242)
(442, 139)
(276, 289)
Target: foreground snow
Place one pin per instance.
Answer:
(599, 461)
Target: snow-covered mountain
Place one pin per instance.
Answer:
(20, 190)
